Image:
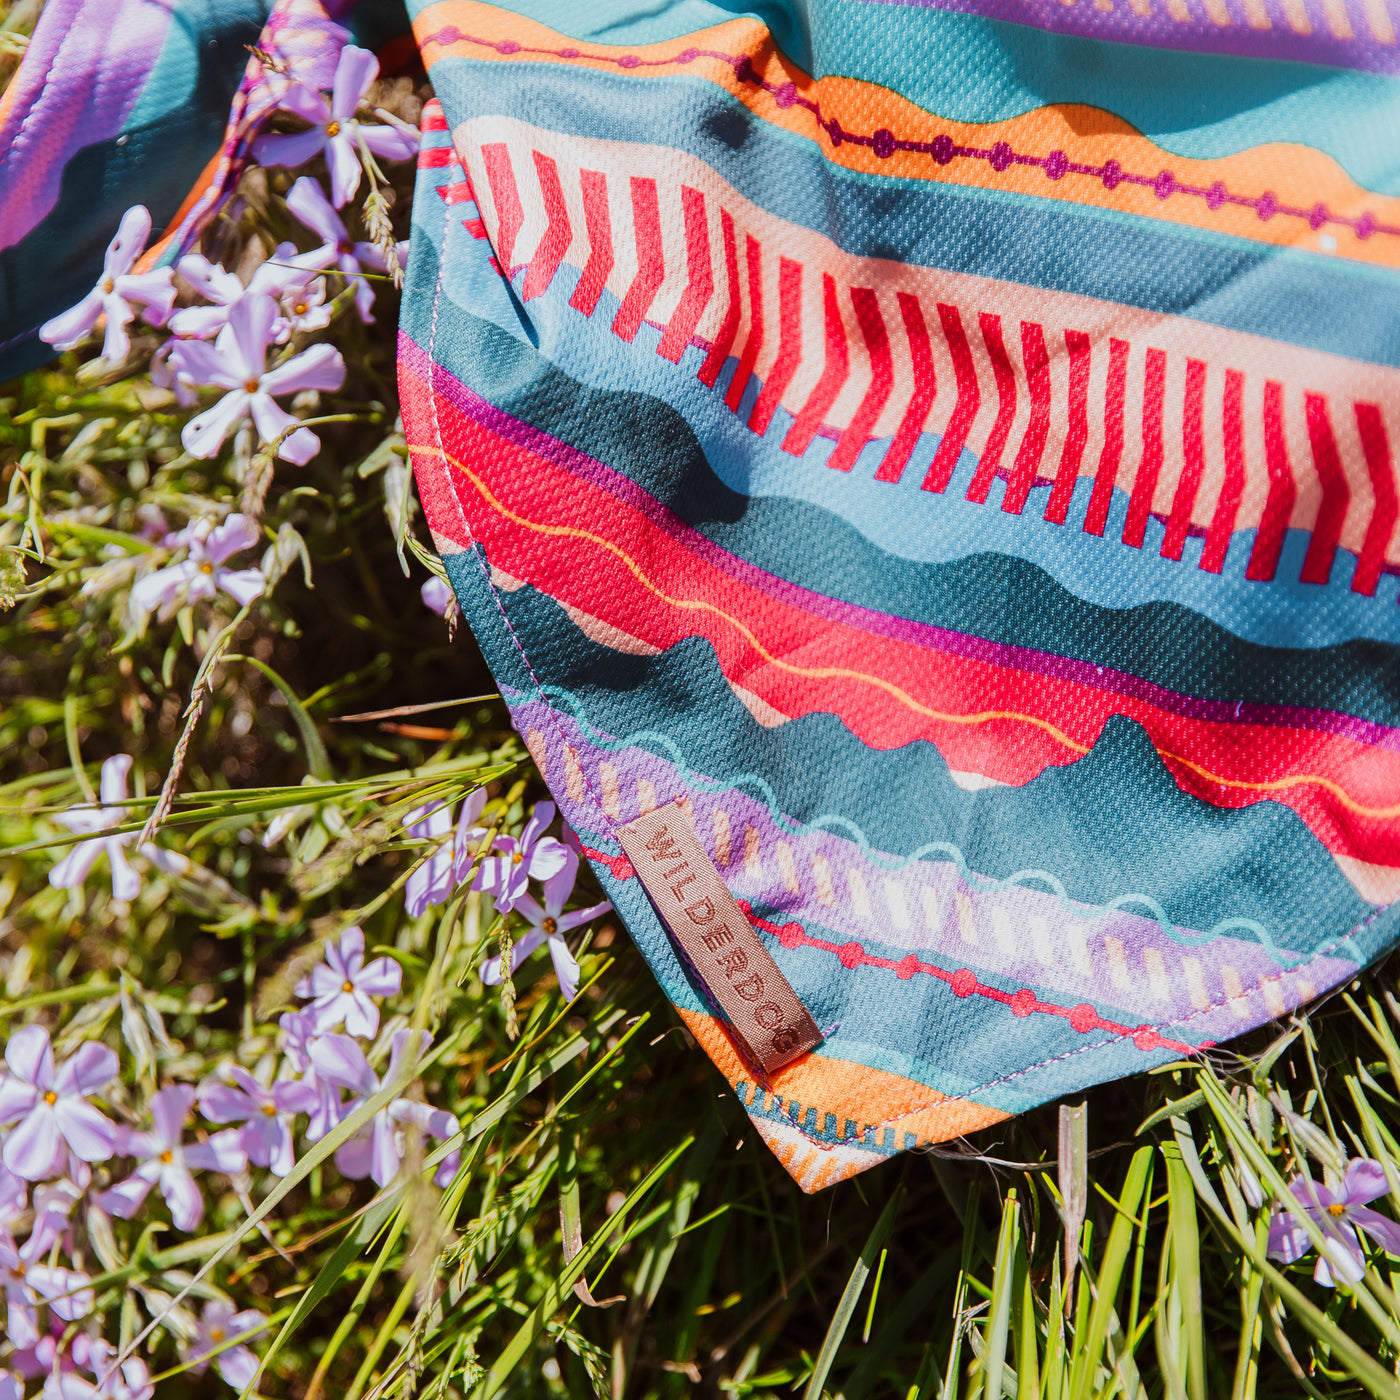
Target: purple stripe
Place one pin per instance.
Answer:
(82, 75)
(922, 634)
(1122, 25)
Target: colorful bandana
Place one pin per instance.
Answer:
(948, 450)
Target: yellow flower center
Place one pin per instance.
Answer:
(109, 285)
(300, 308)
(347, 986)
(250, 386)
(50, 1097)
(518, 857)
(549, 926)
(1336, 1209)
(206, 567)
(19, 1269)
(167, 1156)
(216, 1335)
(270, 1109)
(332, 128)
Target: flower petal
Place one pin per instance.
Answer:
(388, 142)
(74, 868)
(201, 363)
(210, 280)
(90, 1136)
(538, 824)
(576, 918)
(355, 71)
(242, 585)
(384, 1151)
(1288, 1240)
(1364, 1181)
(91, 1067)
(130, 240)
(339, 1060)
(154, 290)
(236, 534)
(72, 327)
(566, 967)
(292, 149)
(1384, 1231)
(33, 1144)
(220, 1152)
(126, 1197)
(303, 100)
(221, 1103)
(438, 597)
(319, 367)
(170, 1107)
(113, 783)
(126, 883)
(183, 1197)
(116, 343)
(354, 1158)
(250, 320)
(309, 204)
(381, 978)
(560, 885)
(30, 1056)
(547, 859)
(299, 447)
(343, 166)
(1340, 1259)
(204, 434)
(361, 1015)
(237, 1366)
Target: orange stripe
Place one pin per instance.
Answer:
(1293, 174)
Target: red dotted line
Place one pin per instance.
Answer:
(884, 143)
(963, 983)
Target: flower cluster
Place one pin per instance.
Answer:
(242, 338)
(1338, 1211)
(53, 1133)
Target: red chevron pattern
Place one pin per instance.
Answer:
(1203, 446)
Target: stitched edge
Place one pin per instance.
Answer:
(964, 1096)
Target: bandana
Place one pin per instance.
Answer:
(944, 456)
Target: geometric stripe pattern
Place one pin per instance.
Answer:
(1204, 447)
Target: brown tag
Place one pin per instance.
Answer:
(721, 945)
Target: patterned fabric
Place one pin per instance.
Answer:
(951, 448)
(117, 102)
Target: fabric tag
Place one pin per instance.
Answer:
(722, 947)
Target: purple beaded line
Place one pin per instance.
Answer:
(884, 143)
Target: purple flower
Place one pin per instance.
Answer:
(72, 871)
(237, 361)
(341, 987)
(438, 597)
(166, 1160)
(14, 1196)
(219, 1325)
(27, 1281)
(117, 295)
(1339, 1214)
(129, 1381)
(286, 275)
(534, 856)
(334, 129)
(203, 573)
(266, 1114)
(377, 1150)
(308, 202)
(434, 880)
(51, 1104)
(11, 1386)
(549, 924)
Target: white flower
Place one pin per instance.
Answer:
(237, 361)
(75, 867)
(117, 295)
